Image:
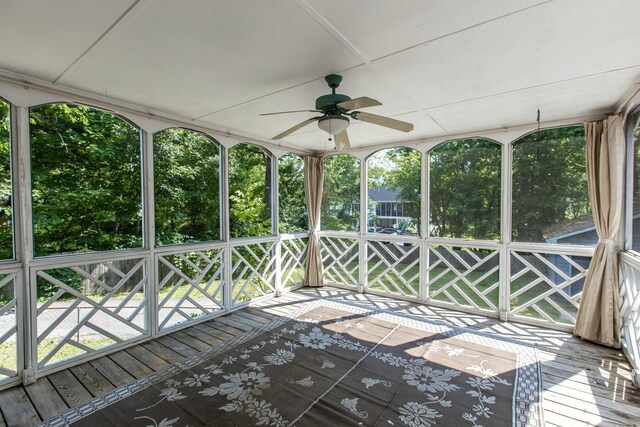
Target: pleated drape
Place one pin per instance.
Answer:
(598, 317)
(313, 181)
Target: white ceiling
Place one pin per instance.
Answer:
(447, 66)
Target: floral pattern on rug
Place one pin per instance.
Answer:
(331, 367)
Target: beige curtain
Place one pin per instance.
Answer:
(598, 317)
(313, 180)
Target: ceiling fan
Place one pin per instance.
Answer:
(336, 110)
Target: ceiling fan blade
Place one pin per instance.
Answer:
(362, 102)
(342, 141)
(295, 128)
(383, 121)
(293, 111)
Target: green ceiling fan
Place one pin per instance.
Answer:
(336, 110)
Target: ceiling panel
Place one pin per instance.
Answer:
(197, 57)
(582, 97)
(360, 81)
(42, 38)
(381, 27)
(539, 46)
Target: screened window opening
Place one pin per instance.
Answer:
(464, 189)
(549, 190)
(249, 191)
(340, 209)
(393, 191)
(6, 200)
(187, 187)
(86, 177)
(292, 204)
(635, 222)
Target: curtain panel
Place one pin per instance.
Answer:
(598, 317)
(313, 181)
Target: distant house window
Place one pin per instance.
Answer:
(340, 209)
(465, 189)
(393, 190)
(549, 189)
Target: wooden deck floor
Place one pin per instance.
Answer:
(584, 384)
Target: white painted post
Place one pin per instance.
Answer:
(505, 215)
(149, 237)
(275, 221)
(225, 234)
(23, 236)
(423, 294)
(362, 243)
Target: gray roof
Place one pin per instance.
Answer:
(383, 194)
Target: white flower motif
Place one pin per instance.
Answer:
(316, 339)
(415, 414)
(244, 384)
(214, 369)
(481, 410)
(197, 380)
(425, 378)
(229, 360)
(280, 357)
(481, 383)
(390, 359)
(258, 408)
(172, 394)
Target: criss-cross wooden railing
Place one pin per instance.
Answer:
(189, 285)
(464, 276)
(81, 308)
(340, 259)
(253, 269)
(393, 267)
(630, 311)
(10, 342)
(293, 255)
(546, 286)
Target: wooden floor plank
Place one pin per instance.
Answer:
(152, 360)
(45, 398)
(163, 351)
(92, 379)
(178, 346)
(229, 321)
(112, 371)
(16, 408)
(69, 388)
(129, 363)
(190, 341)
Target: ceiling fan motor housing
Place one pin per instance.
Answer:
(327, 103)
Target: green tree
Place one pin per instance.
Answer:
(6, 208)
(465, 187)
(405, 176)
(292, 204)
(549, 181)
(86, 175)
(249, 191)
(341, 194)
(187, 187)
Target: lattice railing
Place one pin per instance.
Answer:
(293, 255)
(546, 286)
(190, 285)
(8, 326)
(252, 272)
(340, 260)
(393, 267)
(464, 276)
(630, 313)
(83, 308)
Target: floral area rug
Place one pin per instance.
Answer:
(335, 364)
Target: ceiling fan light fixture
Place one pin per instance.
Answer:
(333, 124)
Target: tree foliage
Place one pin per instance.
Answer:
(549, 181)
(464, 185)
(341, 194)
(187, 187)
(6, 211)
(249, 191)
(86, 175)
(292, 205)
